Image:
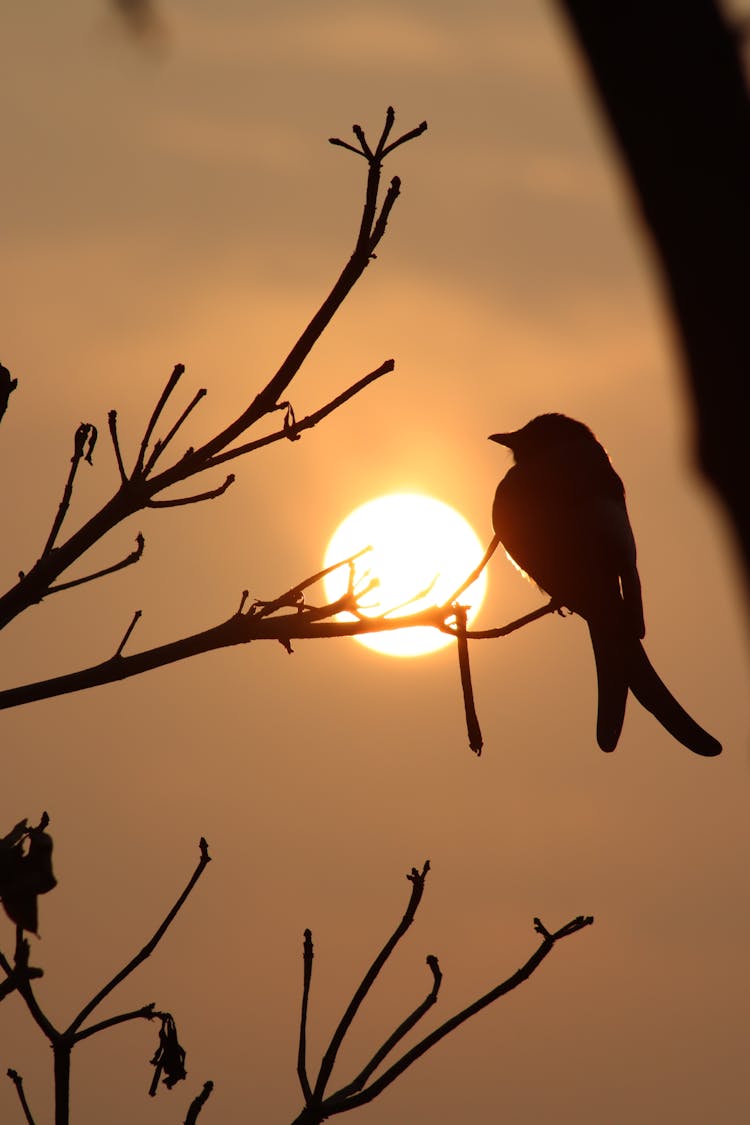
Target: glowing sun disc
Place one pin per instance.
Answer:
(419, 546)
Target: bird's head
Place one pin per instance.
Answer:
(544, 433)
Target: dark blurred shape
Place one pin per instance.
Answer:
(672, 83)
(140, 16)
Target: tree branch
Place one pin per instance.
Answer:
(319, 1106)
(72, 1031)
(548, 943)
(17, 1081)
(139, 489)
(307, 623)
(417, 880)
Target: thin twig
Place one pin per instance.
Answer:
(148, 948)
(472, 722)
(17, 1081)
(198, 1103)
(161, 445)
(11, 983)
(85, 433)
(410, 136)
(512, 982)
(23, 984)
(133, 557)
(395, 1038)
(417, 880)
(136, 618)
(112, 420)
(172, 381)
(298, 427)
(292, 596)
(307, 964)
(183, 500)
(494, 543)
(145, 1013)
(504, 630)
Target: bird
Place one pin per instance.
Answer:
(561, 516)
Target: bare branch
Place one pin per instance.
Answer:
(11, 983)
(293, 595)
(183, 500)
(133, 557)
(145, 1013)
(305, 623)
(85, 434)
(147, 950)
(472, 722)
(112, 422)
(141, 489)
(128, 632)
(307, 963)
(417, 880)
(198, 1103)
(548, 943)
(174, 378)
(345, 144)
(390, 117)
(395, 1038)
(161, 445)
(410, 136)
(505, 630)
(17, 1081)
(22, 975)
(298, 427)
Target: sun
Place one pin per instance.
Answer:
(422, 550)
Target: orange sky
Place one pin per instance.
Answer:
(177, 201)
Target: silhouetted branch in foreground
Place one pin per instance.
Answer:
(170, 1056)
(152, 474)
(364, 1087)
(286, 618)
(17, 1081)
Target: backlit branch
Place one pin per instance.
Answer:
(363, 1087)
(143, 486)
(283, 619)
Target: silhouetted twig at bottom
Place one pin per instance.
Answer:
(17, 1081)
(198, 1103)
(359, 1091)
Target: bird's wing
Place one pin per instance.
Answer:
(617, 549)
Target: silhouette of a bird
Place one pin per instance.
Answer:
(560, 514)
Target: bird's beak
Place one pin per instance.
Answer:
(502, 439)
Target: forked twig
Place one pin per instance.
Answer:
(148, 949)
(143, 487)
(318, 1105)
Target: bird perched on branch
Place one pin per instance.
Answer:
(560, 514)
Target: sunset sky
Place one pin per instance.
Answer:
(174, 198)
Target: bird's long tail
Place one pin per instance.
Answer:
(612, 680)
(653, 694)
